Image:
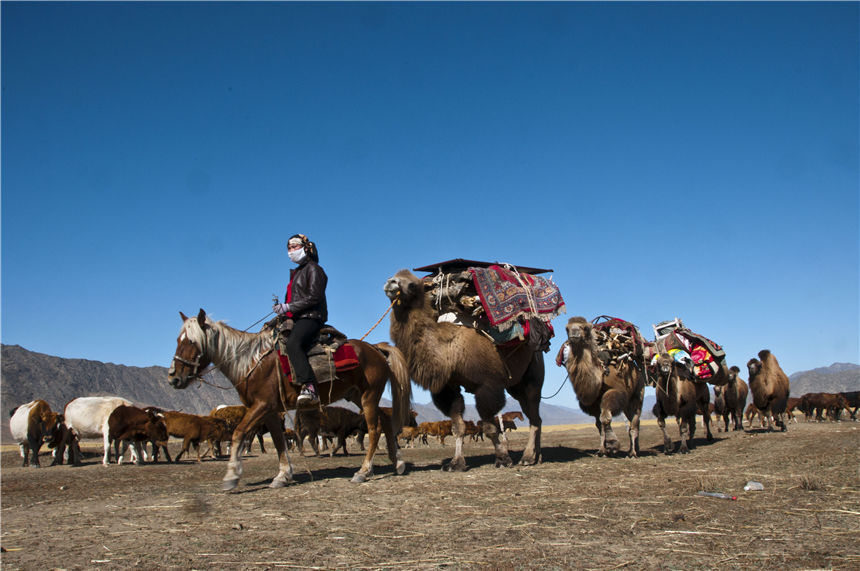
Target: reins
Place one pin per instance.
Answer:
(213, 367)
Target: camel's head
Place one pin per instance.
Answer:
(754, 367)
(578, 331)
(405, 287)
(665, 364)
(733, 374)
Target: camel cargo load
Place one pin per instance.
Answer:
(706, 359)
(510, 304)
(618, 340)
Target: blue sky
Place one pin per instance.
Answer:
(697, 160)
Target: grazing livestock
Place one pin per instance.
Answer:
(129, 424)
(33, 424)
(792, 404)
(445, 358)
(506, 420)
(87, 417)
(769, 387)
(753, 412)
(730, 399)
(853, 398)
(233, 415)
(441, 429)
(678, 395)
(604, 392)
(194, 429)
(334, 421)
(408, 434)
(820, 404)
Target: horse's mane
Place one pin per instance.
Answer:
(231, 350)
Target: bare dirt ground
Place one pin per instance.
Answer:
(574, 510)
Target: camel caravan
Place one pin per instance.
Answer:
(464, 326)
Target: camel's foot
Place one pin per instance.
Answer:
(530, 460)
(400, 467)
(632, 454)
(455, 465)
(683, 449)
(504, 461)
(229, 485)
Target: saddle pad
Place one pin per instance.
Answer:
(345, 359)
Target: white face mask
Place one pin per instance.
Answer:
(297, 256)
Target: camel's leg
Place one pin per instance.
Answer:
(450, 402)
(255, 413)
(527, 393)
(610, 441)
(489, 400)
(285, 468)
(684, 429)
(708, 434)
(601, 451)
(458, 431)
(370, 407)
(633, 430)
(667, 442)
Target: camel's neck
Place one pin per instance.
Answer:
(586, 373)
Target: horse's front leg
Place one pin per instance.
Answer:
(249, 422)
(285, 468)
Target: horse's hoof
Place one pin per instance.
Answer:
(229, 485)
(358, 478)
(278, 483)
(400, 467)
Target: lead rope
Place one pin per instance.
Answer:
(378, 321)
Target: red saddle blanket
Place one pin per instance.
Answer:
(345, 359)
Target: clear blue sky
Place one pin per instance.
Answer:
(665, 159)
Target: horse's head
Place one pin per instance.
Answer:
(190, 357)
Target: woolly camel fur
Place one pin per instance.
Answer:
(604, 392)
(679, 396)
(769, 387)
(730, 400)
(443, 358)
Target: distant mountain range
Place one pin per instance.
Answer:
(25, 375)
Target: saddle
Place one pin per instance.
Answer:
(329, 354)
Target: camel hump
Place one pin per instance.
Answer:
(763, 354)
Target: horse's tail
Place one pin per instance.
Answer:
(401, 386)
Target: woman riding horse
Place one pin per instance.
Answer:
(303, 314)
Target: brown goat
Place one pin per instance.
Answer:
(232, 415)
(130, 424)
(194, 429)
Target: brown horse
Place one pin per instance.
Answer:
(250, 362)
